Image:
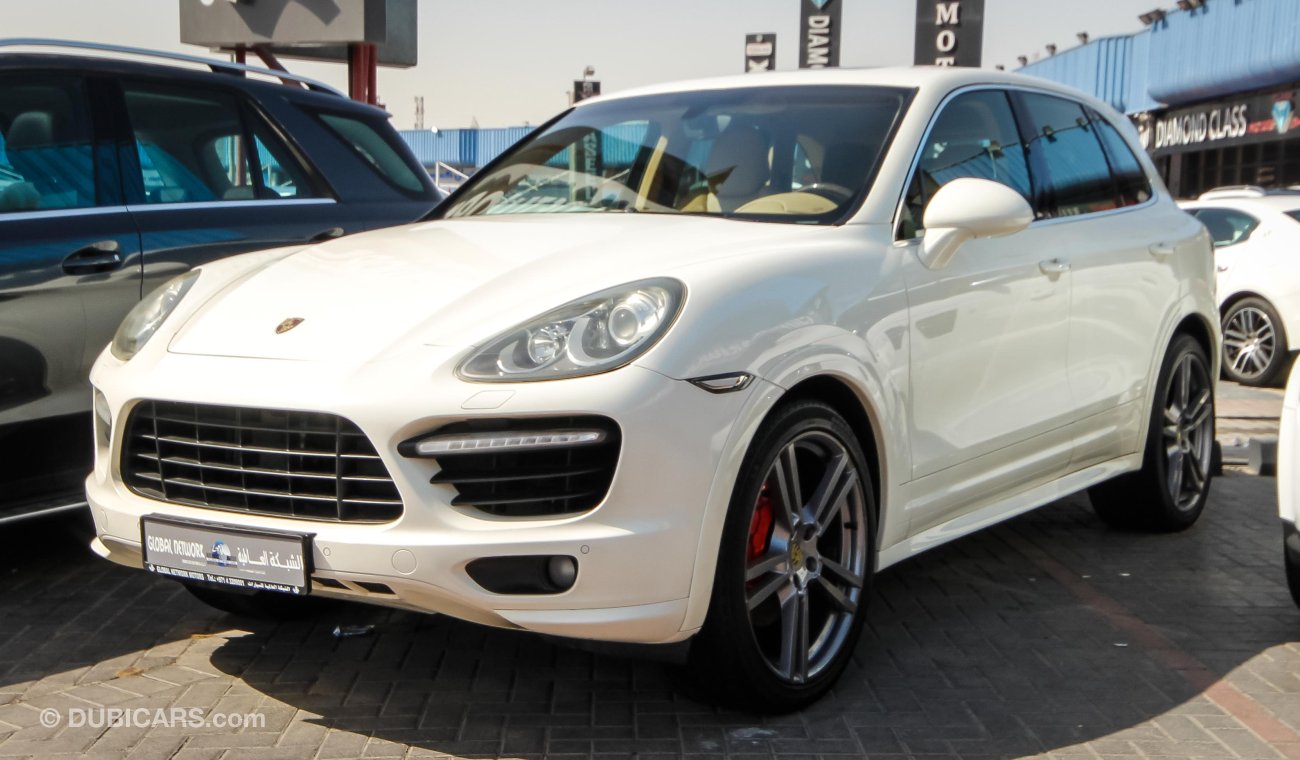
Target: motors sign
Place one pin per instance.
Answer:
(819, 25)
(760, 52)
(1215, 125)
(949, 33)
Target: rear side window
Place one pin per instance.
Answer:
(974, 136)
(46, 161)
(1294, 214)
(1068, 156)
(1130, 180)
(1227, 226)
(197, 146)
(374, 150)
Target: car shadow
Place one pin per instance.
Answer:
(1038, 634)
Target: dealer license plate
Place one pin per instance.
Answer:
(244, 558)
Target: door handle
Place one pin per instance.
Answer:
(104, 256)
(330, 234)
(1161, 250)
(1053, 266)
(1220, 267)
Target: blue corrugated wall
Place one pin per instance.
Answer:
(1223, 47)
(472, 148)
(461, 147)
(1226, 46)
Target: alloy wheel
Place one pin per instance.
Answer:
(806, 556)
(1188, 431)
(1249, 342)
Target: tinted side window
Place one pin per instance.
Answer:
(374, 149)
(1130, 180)
(46, 161)
(1227, 226)
(1066, 149)
(974, 136)
(194, 146)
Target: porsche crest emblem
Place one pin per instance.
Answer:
(287, 325)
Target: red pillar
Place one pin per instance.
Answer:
(362, 66)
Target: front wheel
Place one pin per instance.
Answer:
(1169, 492)
(794, 565)
(1291, 559)
(1255, 347)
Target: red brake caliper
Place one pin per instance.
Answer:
(760, 526)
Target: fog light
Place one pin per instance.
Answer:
(103, 419)
(562, 571)
(530, 575)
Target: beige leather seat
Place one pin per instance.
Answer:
(737, 170)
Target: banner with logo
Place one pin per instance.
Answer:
(949, 33)
(1220, 124)
(760, 52)
(819, 23)
(587, 88)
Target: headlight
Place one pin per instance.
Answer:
(600, 332)
(148, 315)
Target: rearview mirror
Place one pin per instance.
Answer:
(970, 208)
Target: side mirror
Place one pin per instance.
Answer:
(970, 208)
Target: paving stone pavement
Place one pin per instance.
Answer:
(1048, 636)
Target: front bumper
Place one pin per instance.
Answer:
(636, 550)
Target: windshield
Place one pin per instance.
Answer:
(788, 154)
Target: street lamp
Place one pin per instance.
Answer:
(1151, 17)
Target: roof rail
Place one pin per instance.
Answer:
(223, 67)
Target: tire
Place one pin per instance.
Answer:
(807, 595)
(1255, 350)
(1169, 492)
(1292, 575)
(259, 605)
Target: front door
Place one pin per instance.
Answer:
(988, 332)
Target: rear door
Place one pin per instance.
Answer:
(208, 176)
(70, 269)
(1121, 247)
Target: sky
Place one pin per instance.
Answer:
(512, 62)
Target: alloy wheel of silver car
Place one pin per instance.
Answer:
(806, 558)
(1188, 431)
(1249, 342)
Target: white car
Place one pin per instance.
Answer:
(1256, 235)
(1288, 490)
(688, 363)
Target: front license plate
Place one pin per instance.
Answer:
(257, 560)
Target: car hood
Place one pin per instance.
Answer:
(450, 283)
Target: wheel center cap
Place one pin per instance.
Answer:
(796, 556)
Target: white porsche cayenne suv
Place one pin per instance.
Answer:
(688, 363)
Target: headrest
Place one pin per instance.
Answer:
(33, 129)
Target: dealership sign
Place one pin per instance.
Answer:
(820, 24)
(949, 33)
(760, 52)
(1244, 120)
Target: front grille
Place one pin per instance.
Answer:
(539, 483)
(305, 465)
